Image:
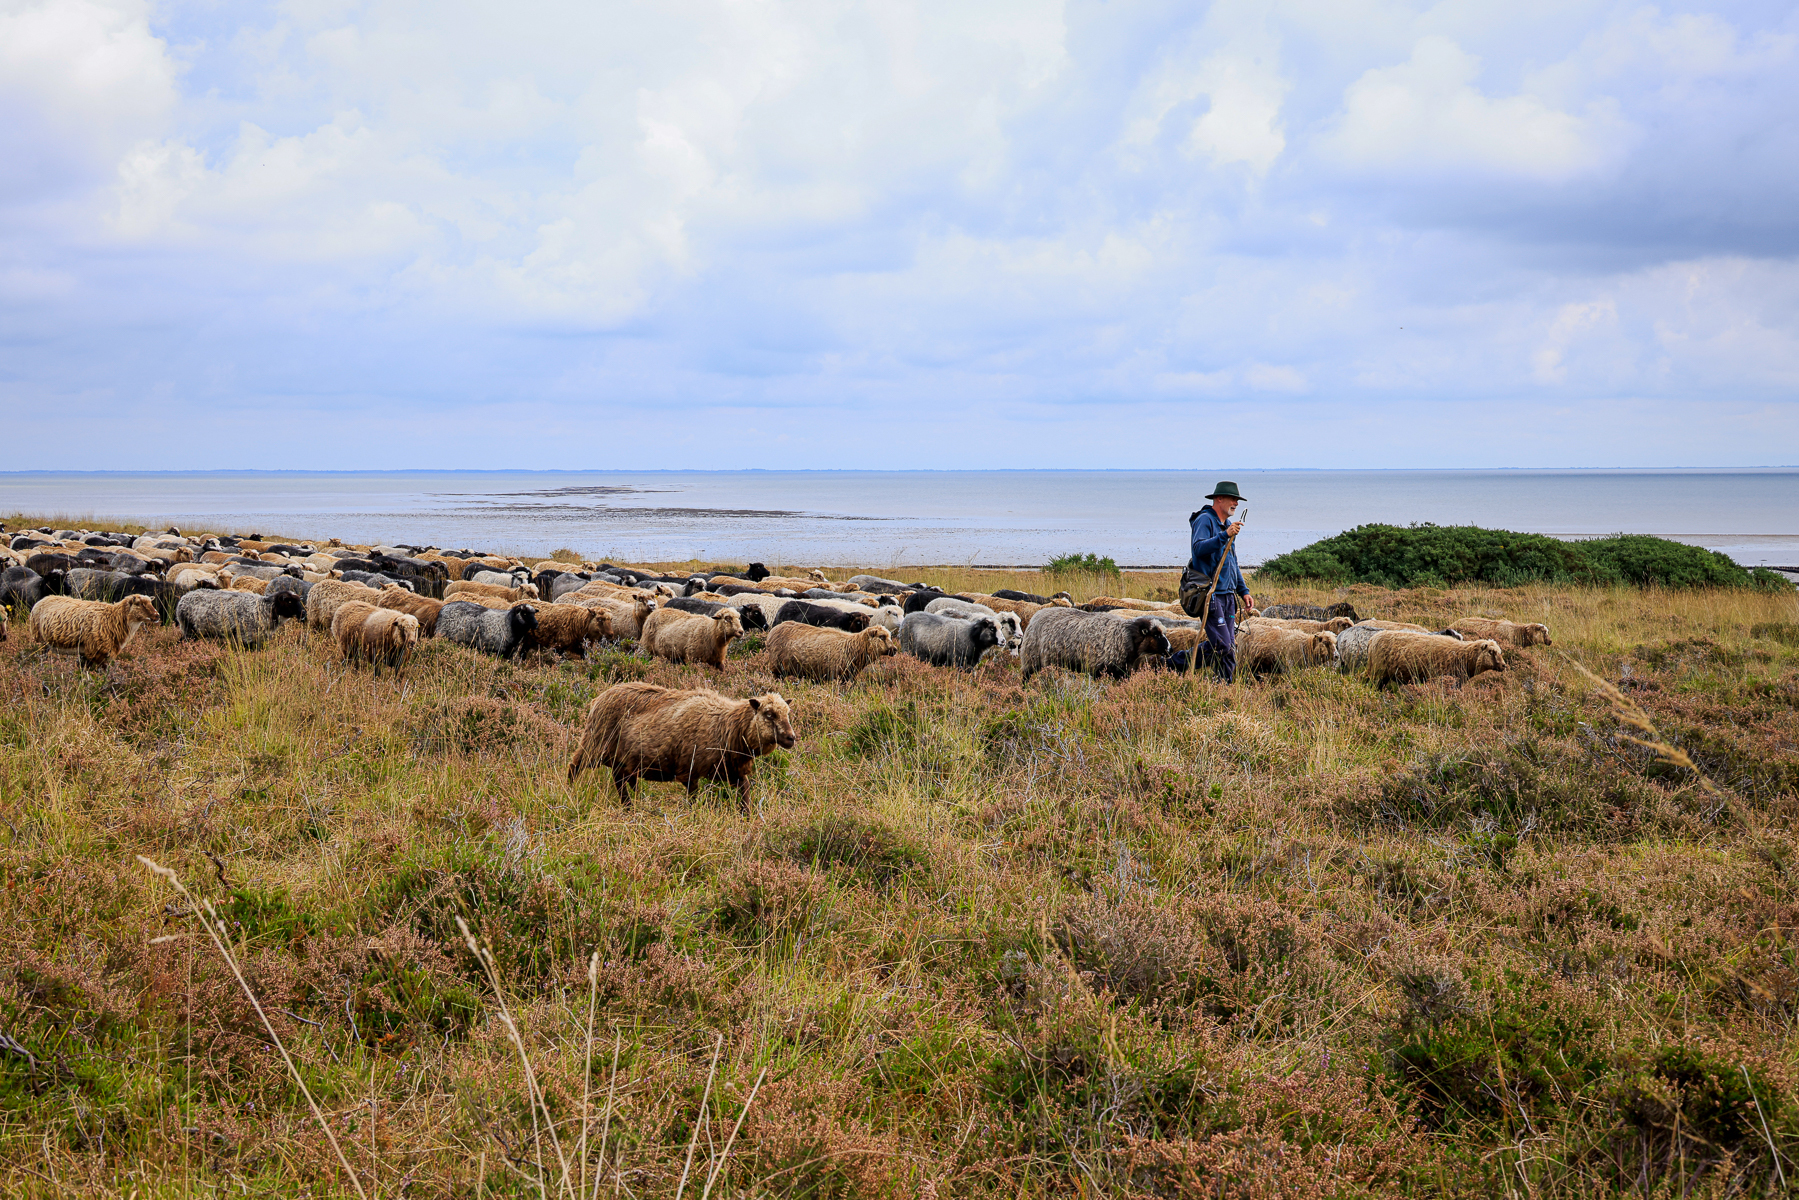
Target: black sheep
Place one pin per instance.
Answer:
(917, 600)
(821, 615)
(21, 587)
(753, 617)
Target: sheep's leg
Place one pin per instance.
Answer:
(622, 781)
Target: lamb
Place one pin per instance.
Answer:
(92, 630)
(236, 616)
(1506, 633)
(687, 637)
(567, 628)
(821, 654)
(323, 599)
(819, 614)
(381, 635)
(506, 632)
(422, 609)
(1401, 656)
(1309, 612)
(945, 641)
(645, 732)
(1097, 643)
(1267, 648)
(1353, 643)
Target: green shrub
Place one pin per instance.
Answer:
(1089, 564)
(1443, 555)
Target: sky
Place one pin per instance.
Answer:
(981, 233)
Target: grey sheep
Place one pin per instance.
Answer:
(945, 641)
(1097, 643)
(1011, 629)
(1308, 612)
(506, 632)
(242, 617)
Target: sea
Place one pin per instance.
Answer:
(894, 519)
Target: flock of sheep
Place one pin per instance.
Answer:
(89, 593)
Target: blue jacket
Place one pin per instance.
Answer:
(1208, 539)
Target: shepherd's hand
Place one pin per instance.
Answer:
(1235, 528)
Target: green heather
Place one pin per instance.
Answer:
(1445, 555)
(1296, 937)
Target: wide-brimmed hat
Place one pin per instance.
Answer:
(1226, 489)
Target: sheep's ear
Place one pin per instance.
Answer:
(755, 704)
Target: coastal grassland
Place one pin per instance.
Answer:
(1296, 937)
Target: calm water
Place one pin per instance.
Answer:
(882, 518)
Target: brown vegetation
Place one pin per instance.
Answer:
(1160, 937)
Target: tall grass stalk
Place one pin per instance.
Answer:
(535, 1094)
(214, 925)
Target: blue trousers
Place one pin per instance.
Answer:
(1220, 648)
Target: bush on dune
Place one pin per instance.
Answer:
(1446, 555)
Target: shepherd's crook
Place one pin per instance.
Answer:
(1205, 610)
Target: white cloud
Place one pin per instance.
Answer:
(1426, 115)
(824, 209)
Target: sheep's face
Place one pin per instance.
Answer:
(599, 623)
(1324, 647)
(730, 624)
(138, 610)
(1150, 637)
(881, 640)
(986, 633)
(855, 622)
(1338, 624)
(1537, 635)
(1488, 656)
(773, 721)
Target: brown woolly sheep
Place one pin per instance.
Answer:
(1401, 656)
(3, 624)
(468, 566)
(1130, 602)
(1334, 625)
(248, 583)
(323, 599)
(627, 611)
(423, 609)
(1024, 608)
(568, 628)
(381, 635)
(645, 732)
(1506, 633)
(463, 589)
(817, 653)
(1269, 648)
(689, 637)
(92, 630)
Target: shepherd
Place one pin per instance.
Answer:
(1212, 534)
